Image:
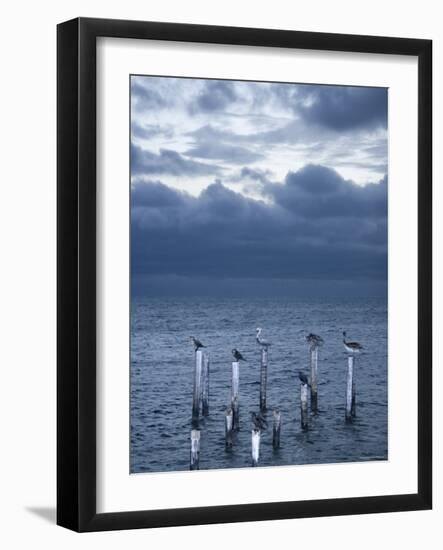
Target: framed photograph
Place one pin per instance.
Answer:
(244, 274)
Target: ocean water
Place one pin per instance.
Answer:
(162, 365)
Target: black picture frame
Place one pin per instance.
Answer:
(76, 266)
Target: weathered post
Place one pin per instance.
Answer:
(195, 449)
(263, 377)
(276, 429)
(314, 383)
(255, 445)
(350, 390)
(228, 427)
(304, 405)
(235, 402)
(353, 406)
(205, 385)
(235, 414)
(197, 385)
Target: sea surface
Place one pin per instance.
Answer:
(162, 366)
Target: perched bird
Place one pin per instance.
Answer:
(197, 343)
(314, 340)
(258, 421)
(303, 378)
(237, 355)
(260, 341)
(351, 347)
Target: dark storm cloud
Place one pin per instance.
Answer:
(319, 226)
(321, 193)
(155, 195)
(335, 107)
(312, 225)
(167, 162)
(343, 107)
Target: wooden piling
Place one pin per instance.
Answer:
(276, 429)
(304, 405)
(235, 400)
(205, 385)
(255, 446)
(197, 384)
(263, 377)
(314, 382)
(353, 406)
(350, 390)
(229, 417)
(195, 450)
(235, 414)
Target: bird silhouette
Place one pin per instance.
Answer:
(303, 378)
(314, 340)
(260, 341)
(237, 355)
(351, 347)
(197, 343)
(258, 421)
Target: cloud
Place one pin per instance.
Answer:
(318, 226)
(148, 131)
(167, 162)
(209, 133)
(153, 194)
(255, 174)
(252, 213)
(345, 107)
(319, 192)
(145, 96)
(239, 123)
(222, 151)
(288, 132)
(216, 95)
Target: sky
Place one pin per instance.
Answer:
(257, 189)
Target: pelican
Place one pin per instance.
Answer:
(237, 355)
(303, 378)
(314, 340)
(197, 343)
(258, 421)
(351, 347)
(261, 342)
